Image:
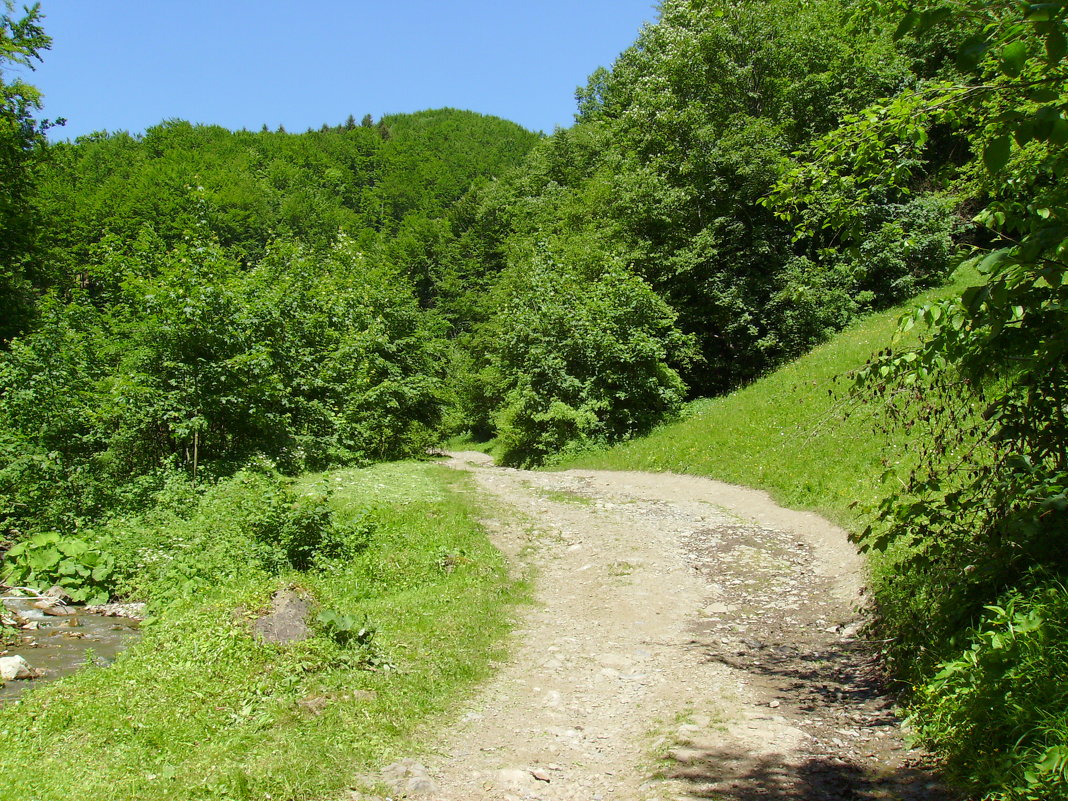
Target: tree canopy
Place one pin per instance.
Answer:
(22, 40)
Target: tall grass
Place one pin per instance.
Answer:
(200, 709)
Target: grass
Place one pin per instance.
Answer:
(466, 442)
(566, 496)
(199, 709)
(791, 433)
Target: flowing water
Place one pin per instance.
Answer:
(60, 645)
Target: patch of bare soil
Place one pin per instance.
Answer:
(690, 640)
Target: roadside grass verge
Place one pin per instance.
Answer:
(200, 709)
(793, 432)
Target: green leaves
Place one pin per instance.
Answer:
(980, 507)
(1001, 699)
(972, 51)
(22, 139)
(1056, 46)
(346, 630)
(580, 359)
(198, 361)
(1014, 58)
(50, 558)
(996, 153)
(919, 22)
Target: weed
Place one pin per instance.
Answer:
(48, 559)
(566, 496)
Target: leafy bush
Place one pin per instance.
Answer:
(184, 359)
(999, 710)
(51, 559)
(582, 359)
(298, 532)
(252, 523)
(346, 630)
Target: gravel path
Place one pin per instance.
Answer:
(690, 639)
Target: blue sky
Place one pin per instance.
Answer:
(128, 64)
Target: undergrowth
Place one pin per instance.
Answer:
(999, 709)
(202, 709)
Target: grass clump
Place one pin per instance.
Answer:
(202, 709)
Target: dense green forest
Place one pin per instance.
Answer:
(191, 308)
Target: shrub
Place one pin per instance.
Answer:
(182, 358)
(999, 710)
(252, 522)
(582, 359)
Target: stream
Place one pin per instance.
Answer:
(58, 646)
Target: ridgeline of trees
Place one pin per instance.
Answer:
(746, 179)
(202, 297)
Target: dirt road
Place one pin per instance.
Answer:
(690, 639)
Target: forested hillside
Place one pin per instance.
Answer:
(205, 296)
(665, 176)
(192, 309)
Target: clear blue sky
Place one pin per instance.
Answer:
(128, 64)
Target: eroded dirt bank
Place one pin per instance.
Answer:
(690, 639)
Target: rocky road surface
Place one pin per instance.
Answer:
(690, 640)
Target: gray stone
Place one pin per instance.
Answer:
(514, 779)
(420, 786)
(287, 621)
(15, 667)
(59, 610)
(409, 777)
(57, 592)
(134, 610)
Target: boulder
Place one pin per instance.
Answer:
(15, 667)
(60, 594)
(287, 620)
(59, 610)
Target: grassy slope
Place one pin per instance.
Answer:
(789, 433)
(200, 710)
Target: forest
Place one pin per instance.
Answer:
(193, 317)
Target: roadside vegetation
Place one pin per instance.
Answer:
(796, 432)
(192, 320)
(410, 607)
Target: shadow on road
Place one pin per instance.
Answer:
(728, 775)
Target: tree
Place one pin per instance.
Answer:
(678, 143)
(1005, 341)
(578, 357)
(980, 527)
(21, 139)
